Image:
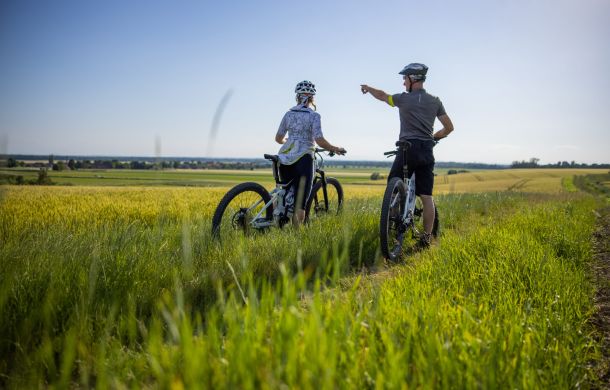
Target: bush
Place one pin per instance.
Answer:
(376, 176)
(11, 179)
(59, 166)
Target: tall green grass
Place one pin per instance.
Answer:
(502, 302)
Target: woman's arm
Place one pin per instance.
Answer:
(279, 138)
(327, 145)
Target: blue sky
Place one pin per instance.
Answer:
(519, 79)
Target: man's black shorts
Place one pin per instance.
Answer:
(420, 159)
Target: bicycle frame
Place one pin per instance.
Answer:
(258, 222)
(409, 204)
(409, 212)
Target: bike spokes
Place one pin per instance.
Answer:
(318, 206)
(239, 207)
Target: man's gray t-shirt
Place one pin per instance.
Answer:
(418, 110)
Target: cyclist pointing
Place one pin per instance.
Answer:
(418, 110)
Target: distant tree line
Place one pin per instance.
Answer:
(456, 171)
(534, 163)
(60, 163)
(72, 164)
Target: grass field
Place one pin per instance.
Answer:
(474, 181)
(122, 286)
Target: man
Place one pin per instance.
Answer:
(418, 110)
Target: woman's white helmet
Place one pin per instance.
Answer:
(305, 87)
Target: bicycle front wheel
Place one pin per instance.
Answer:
(238, 208)
(391, 227)
(318, 206)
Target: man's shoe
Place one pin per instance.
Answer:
(424, 241)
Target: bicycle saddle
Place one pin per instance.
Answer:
(272, 157)
(403, 144)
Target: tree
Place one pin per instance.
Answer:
(51, 159)
(72, 164)
(11, 163)
(43, 177)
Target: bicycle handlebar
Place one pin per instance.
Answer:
(330, 153)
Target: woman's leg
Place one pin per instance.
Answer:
(304, 173)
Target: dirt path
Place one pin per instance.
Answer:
(601, 274)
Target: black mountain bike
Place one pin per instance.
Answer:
(401, 211)
(250, 207)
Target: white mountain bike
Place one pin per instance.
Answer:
(401, 211)
(250, 207)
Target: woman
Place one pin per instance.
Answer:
(296, 154)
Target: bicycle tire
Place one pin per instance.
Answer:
(229, 217)
(316, 200)
(390, 235)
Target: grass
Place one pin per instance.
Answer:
(597, 184)
(123, 287)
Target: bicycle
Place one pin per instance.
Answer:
(401, 210)
(250, 207)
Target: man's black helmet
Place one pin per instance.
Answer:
(415, 71)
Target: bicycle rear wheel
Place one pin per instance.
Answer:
(238, 207)
(317, 207)
(391, 227)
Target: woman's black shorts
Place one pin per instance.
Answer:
(300, 176)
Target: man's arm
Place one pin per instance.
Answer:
(447, 127)
(377, 93)
(279, 138)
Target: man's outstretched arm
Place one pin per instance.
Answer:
(377, 93)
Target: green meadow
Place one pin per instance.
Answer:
(111, 279)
